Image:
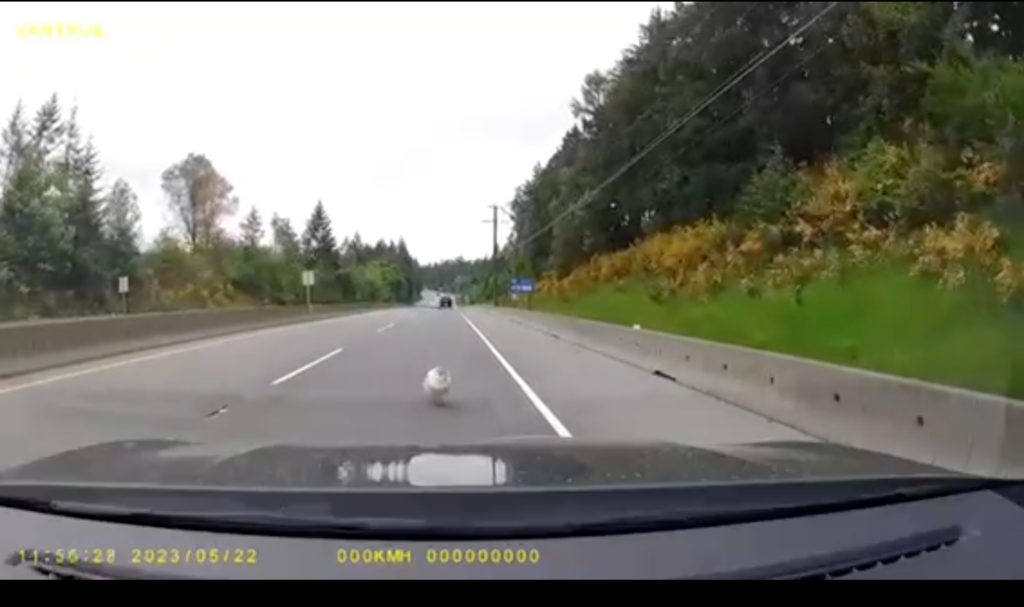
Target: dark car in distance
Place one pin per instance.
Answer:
(445, 301)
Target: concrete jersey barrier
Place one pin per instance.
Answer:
(31, 346)
(952, 428)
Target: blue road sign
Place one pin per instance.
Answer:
(521, 285)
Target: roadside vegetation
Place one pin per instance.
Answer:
(856, 200)
(65, 239)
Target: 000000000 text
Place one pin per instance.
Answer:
(481, 556)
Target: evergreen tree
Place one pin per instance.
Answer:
(83, 205)
(286, 241)
(252, 229)
(319, 247)
(121, 228)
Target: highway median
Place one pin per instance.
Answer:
(31, 346)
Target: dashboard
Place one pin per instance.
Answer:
(977, 535)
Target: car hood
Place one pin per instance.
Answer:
(513, 463)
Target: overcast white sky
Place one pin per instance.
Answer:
(406, 119)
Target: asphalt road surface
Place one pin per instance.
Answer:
(357, 380)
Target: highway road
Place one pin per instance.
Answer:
(357, 380)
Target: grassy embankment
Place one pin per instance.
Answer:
(827, 278)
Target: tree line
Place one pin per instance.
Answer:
(473, 279)
(65, 240)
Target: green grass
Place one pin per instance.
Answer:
(880, 319)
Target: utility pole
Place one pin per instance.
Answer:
(494, 252)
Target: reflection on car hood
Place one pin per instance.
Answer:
(523, 463)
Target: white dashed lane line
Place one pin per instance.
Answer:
(307, 367)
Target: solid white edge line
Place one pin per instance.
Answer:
(307, 367)
(535, 400)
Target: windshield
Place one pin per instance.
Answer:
(496, 245)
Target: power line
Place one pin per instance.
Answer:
(755, 97)
(735, 79)
(721, 122)
(655, 106)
